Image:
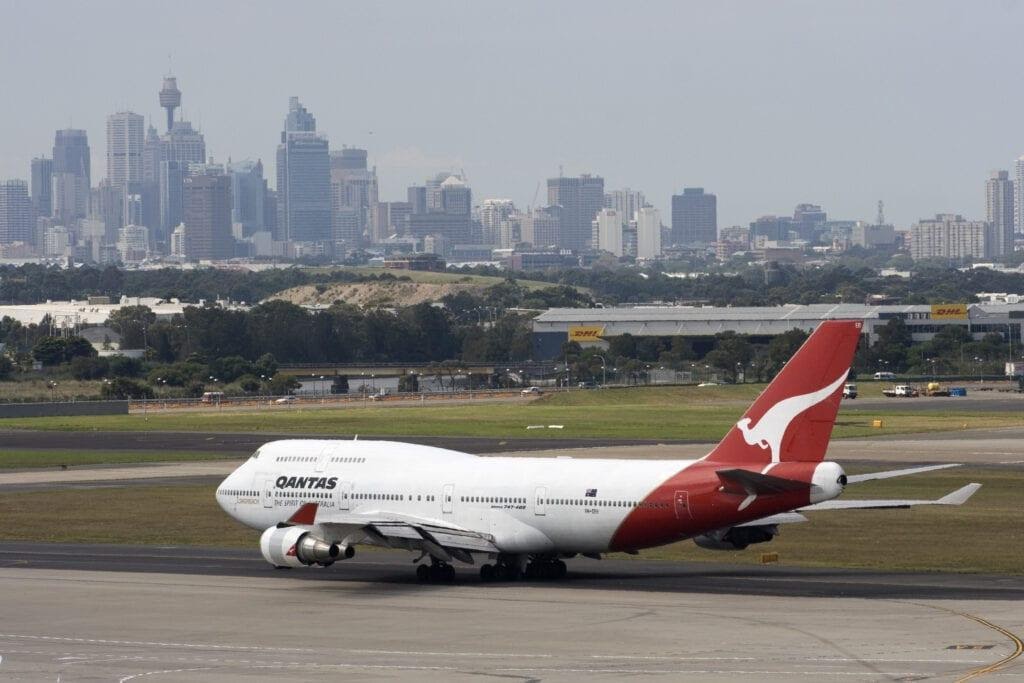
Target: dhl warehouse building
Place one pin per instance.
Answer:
(593, 326)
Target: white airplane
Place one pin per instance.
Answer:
(317, 499)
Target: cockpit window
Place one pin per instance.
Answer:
(256, 455)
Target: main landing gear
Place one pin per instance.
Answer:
(435, 572)
(511, 569)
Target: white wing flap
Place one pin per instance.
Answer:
(407, 530)
(781, 518)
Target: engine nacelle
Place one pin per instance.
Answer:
(293, 546)
(737, 537)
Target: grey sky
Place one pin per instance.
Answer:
(767, 104)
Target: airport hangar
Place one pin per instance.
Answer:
(592, 326)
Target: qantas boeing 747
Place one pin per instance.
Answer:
(317, 500)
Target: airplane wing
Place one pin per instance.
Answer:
(394, 530)
(958, 497)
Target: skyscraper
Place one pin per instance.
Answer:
(648, 233)
(303, 179)
(542, 227)
(580, 197)
(71, 154)
(207, 200)
(694, 217)
(607, 232)
(42, 186)
(1018, 194)
(248, 196)
(125, 139)
(172, 206)
(16, 223)
(626, 202)
(499, 222)
(354, 192)
(999, 214)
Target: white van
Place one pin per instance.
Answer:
(885, 376)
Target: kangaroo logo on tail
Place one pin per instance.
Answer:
(769, 430)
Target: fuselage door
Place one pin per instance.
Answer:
(268, 492)
(343, 495)
(325, 455)
(448, 499)
(539, 499)
(682, 505)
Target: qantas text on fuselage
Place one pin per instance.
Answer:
(316, 500)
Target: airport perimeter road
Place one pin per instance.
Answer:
(608, 621)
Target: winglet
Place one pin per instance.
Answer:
(960, 496)
(304, 515)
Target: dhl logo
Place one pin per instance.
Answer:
(586, 333)
(949, 311)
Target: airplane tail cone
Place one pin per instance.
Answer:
(792, 419)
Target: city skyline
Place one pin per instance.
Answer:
(767, 107)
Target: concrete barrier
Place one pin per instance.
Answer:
(63, 409)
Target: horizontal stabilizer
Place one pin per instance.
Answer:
(872, 476)
(745, 482)
(958, 497)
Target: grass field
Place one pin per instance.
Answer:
(76, 458)
(444, 278)
(985, 535)
(677, 412)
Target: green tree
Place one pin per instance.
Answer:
(731, 353)
(49, 350)
(124, 388)
(132, 323)
(6, 368)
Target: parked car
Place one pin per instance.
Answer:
(849, 390)
(212, 396)
(885, 376)
(531, 390)
(286, 399)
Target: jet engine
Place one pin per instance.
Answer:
(737, 537)
(293, 546)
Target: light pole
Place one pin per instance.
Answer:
(604, 370)
(323, 387)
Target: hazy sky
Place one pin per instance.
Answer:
(767, 104)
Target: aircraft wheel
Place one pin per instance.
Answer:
(423, 573)
(487, 572)
(560, 569)
(448, 573)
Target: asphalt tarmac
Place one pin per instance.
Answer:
(182, 614)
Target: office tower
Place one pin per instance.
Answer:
(125, 140)
(55, 241)
(416, 196)
(354, 191)
(542, 227)
(1018, 194)
(999, 214)
(248, 196)
(71, 154)
(772, 228)
(170, 98)
(497, 217)
(106, 204)
(133, 244)
(207, 200)
(694, 217)
(626, 202)
(449, 211)
(270, 215)
(580, 197)
(16, 220)
(303, 179)
(606, 231)
(948, 236)
(69, 195)
(172, 207)
(396, 216)
(648, 233)
(809, 221)
(183, 143)
(42, 186)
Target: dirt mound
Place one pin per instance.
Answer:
(372, 294)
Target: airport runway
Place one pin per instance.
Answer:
(181, 614)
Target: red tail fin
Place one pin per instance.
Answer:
(792, 419)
